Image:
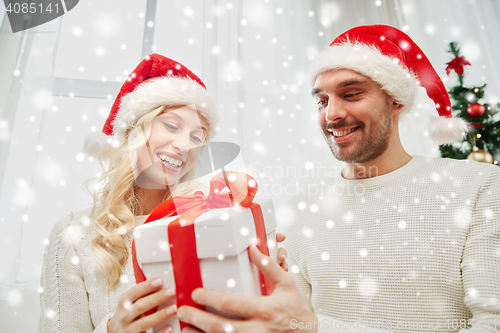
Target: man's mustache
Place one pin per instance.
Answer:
(330, 125)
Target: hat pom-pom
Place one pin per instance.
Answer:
(445, 131)
(94, 143)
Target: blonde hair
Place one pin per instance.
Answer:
(116, 203)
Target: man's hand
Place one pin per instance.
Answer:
(272, 313)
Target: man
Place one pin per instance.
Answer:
(400, 243)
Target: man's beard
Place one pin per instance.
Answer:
(371, 146)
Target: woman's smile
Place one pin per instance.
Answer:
(170, 160)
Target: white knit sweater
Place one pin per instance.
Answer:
(75, 298)
(417, 246)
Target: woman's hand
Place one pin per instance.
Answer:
(128, 317)
(147, 295)
(282, 252)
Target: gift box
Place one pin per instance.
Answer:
(220, 241)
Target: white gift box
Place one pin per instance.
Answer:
(222, 240)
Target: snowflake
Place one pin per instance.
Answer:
(163, 245)
(189, 12)
(348, 217)
(14, 297)
(488, 213)
(228, 328)
(430, 29)
(77, 31)
(330, 13)
(307, 232)
(271, 243)
(367, 286)
(49, 313)
(472, 292)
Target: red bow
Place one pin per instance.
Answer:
(181, 232)
(457, 65)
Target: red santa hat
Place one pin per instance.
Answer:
(389, 57)
(156, 81)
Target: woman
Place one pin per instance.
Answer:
(151, 141)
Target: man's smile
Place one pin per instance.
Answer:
(343, 134)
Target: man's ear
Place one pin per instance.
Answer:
(396, 107)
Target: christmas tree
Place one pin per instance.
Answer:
(483, 138)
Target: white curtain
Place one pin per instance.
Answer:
(253, 55)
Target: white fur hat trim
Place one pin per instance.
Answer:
(396, 80)
(147, 96)
(445, 131)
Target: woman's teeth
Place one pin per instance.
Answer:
(344, 133)
(170, 160)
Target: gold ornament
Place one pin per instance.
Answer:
(480, 155)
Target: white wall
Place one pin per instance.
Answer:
(253, 56)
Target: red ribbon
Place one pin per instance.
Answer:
(181, 232)
(475, 125)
